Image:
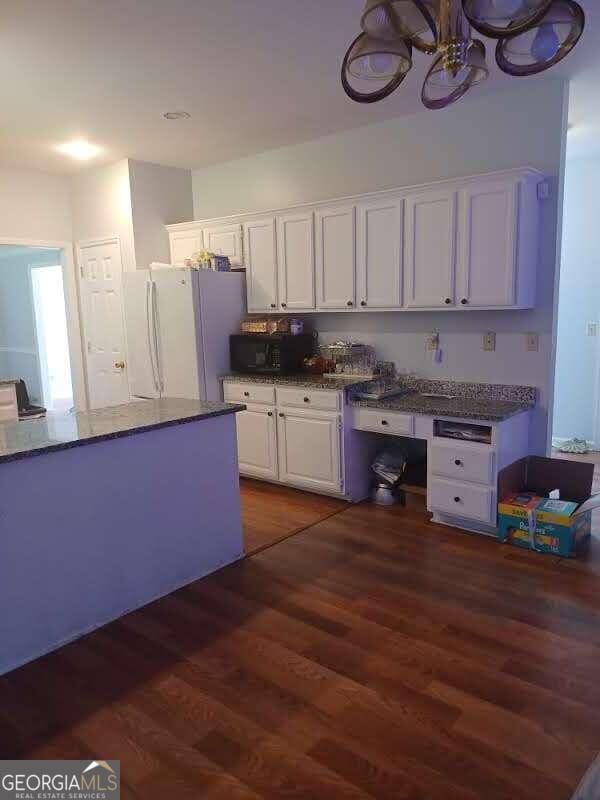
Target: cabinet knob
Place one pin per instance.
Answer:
(246, 394)
(384, 422)
(464, 301)
(458, 462)
(281, 415)
(457, 499)
(349, 303)
(273, 305)
(363, 303)
(307, 399)
(269, 413)
(447, 301)
(284, 305)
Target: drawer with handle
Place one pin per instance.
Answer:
(465, 462)
(249, 393)
(299, 397)
(382, 421)
(465, 500)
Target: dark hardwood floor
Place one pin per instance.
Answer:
(372, 655)
(271, 513)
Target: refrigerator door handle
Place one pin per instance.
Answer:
(149, 327)
(160, 385)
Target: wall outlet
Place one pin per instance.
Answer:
(489, 341)
(592, 329)
(532, 342)
(433, 341)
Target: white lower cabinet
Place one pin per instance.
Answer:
(257, 442)
(309, 449)
(290, 435)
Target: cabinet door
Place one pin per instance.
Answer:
(296, 259)
(261, 264)
(257, 442)
(430, 249)
(225, 240)
(487, 244)
(309, 449)
(184, 244)
(379, 257)
(336, 257)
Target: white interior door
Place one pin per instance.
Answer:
(103, 324)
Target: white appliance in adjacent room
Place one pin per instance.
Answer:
(178, 322)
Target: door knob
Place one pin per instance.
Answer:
(119, 365)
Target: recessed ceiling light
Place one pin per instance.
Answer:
(79, 149)
(176, 115)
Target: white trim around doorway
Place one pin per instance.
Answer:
(71, 288)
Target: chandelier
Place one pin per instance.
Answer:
(532, 36)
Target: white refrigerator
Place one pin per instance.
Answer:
(178, 323)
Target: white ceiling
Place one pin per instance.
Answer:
(254, 74)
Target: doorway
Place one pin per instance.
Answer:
(576, 417)
(50, 321)
(34, 327)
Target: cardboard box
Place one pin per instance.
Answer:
(529, 517)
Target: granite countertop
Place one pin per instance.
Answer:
(457, 399)
(456, 407)
(298, 379)
(63, 431)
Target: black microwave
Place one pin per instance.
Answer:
(269, 354)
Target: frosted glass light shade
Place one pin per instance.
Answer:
(499, 18)
(373, 68)
(544, 44)
(442, 87)
(415, 20)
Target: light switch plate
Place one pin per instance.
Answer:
(489, 341)
(532, 342)
(592, 329)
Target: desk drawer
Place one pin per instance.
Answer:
(462, 500)
(382, 421)
(465, 462)
(249, 393)
(300, 397)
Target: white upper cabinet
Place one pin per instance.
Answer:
(430, 249)
(487, 244)
(184, 244)
(336, 257)
(455, 245)
(380, 239)
(225, 240)
(296, 260)
(261, 264)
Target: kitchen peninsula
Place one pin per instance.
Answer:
(104, 511)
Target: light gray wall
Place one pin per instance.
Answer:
(18, 346)
(579, 303)
(524, 126)
(159, 196)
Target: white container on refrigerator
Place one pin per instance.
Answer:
(178, 323)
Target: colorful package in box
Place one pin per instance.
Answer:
(529, 517)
